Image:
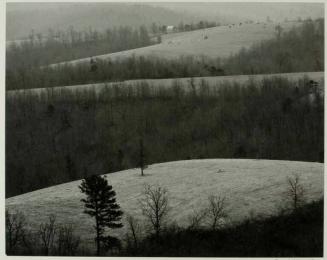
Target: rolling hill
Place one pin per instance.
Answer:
(213, 82)
(218, 41)
(252, 187)
(24, 17)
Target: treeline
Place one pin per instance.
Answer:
(183, 27)
(59, 46)
(300, 49)
(110, 70)
(60, 136)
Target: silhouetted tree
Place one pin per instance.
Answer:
(101, 204)
(155, 207)
(47, 232)
(67, 243)
(295, 191)
(15, 230)
(142, 157)
(134, 230)
(196, 219)
(216, 211)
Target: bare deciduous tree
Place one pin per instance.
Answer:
(67, 243)
(47, 234)
(155, 207)
(15, 230)
(216, 211)
(134, 230)
(196, 219)
(295, 191)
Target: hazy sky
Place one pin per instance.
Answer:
(260, 10)
(23, 17)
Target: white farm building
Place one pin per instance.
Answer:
(170, 28)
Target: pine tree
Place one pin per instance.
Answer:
(101, 204)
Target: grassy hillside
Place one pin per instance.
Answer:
(70, 44)
(251, 187)
(297, 50)
(220, 42)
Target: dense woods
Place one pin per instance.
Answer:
(62, 136)
(300, 49)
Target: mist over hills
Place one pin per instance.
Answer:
(22, 18)
(255, 11)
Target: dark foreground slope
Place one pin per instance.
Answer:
(297, 234)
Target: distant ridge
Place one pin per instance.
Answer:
(22, 18)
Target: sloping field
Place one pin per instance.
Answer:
(213, 42)
(212, 82)
(250, 186)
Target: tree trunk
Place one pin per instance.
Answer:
(141, 156)
(98, 231)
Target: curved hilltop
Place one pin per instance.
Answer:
(251, 187)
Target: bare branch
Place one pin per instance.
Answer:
(295, 191)
(216, 211)
(155, 206)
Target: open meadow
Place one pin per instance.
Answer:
(251, 187)
(218, 41)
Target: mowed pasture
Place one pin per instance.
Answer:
(218, 41)
(212, 82)
(251, 187)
